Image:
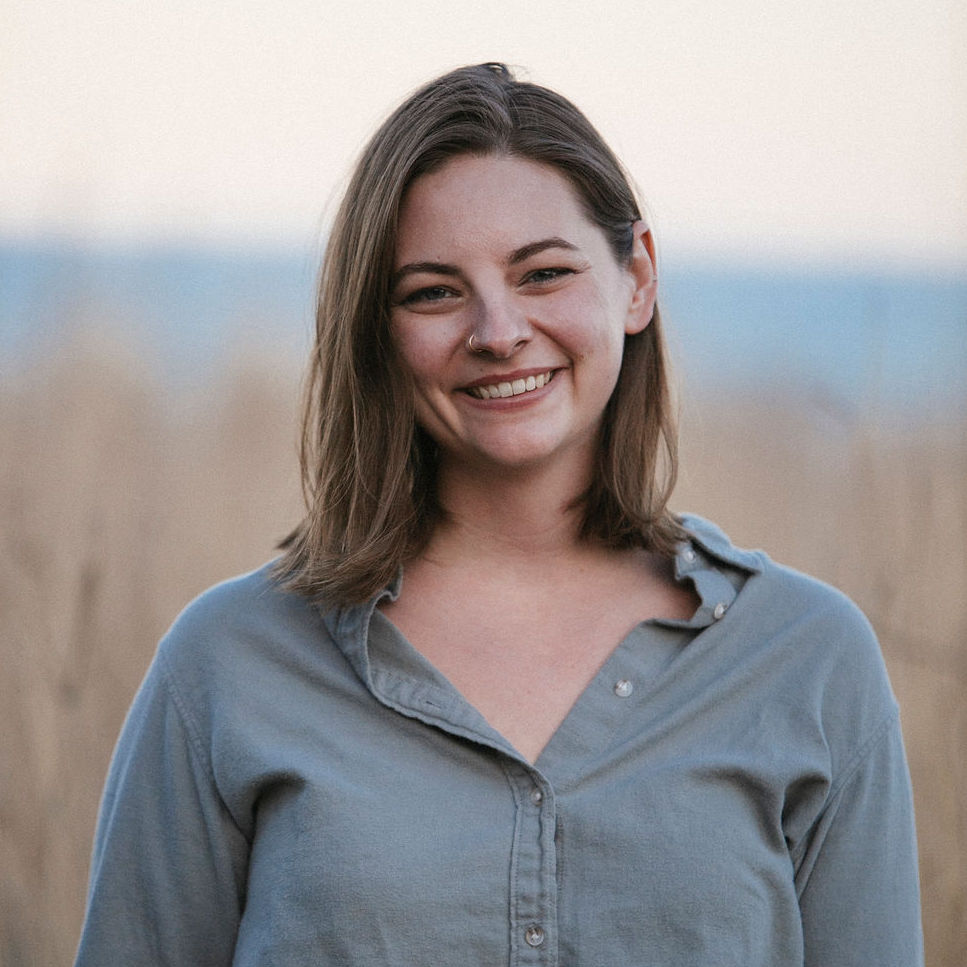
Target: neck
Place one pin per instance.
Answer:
(524, 516)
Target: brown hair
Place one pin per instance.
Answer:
(368, 470)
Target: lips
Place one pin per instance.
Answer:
(513, 387)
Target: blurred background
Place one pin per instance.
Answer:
(166, 176)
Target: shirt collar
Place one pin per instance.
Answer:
(713, 541)
(695, 560)
(715, 567)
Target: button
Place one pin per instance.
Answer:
(689, 555)
(623, 688)
(719, 610)
(534, 935)
(537, 797)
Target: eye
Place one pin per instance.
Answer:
(427, 296)
(547, 275)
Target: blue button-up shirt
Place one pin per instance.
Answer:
(301, 787)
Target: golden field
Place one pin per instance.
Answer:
(120, 501)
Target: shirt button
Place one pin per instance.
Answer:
(623, 688)
(689, 555)
(534, 935)
(719, 610)
(537, 797)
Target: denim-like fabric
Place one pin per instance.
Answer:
(297, 788)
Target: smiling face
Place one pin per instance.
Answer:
(509, 310)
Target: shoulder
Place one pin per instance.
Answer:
(245, 600)
(778, 595)
(808, 632)
(242, 605)
(239, 630)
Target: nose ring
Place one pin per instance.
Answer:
(471, 346)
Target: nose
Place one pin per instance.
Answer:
(500, 327)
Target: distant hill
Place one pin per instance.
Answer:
(897, 344)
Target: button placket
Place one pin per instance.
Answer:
(533, 868)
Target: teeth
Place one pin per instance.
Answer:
(515, 388)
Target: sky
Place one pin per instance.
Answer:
(827, 133)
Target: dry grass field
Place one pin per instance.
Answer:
(118, 503)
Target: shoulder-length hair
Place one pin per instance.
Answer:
(368, 469)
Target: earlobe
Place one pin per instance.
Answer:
(645, 276)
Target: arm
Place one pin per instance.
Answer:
(169, 864)
(856, 875)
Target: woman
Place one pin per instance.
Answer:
(495, 703)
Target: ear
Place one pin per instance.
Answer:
(645, 276)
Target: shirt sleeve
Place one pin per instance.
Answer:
(857, 877)
(169, 863)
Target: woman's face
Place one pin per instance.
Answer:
(497, 248)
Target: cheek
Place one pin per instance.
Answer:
(424, 358)
(595, 334)
(416, 351)
(427, 341)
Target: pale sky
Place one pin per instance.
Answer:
(822, 132)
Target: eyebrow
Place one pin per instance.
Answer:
(519, 255)
(415, 268)
(535, 248)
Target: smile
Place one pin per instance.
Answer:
(512, 388)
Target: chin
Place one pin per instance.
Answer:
(527, 455)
